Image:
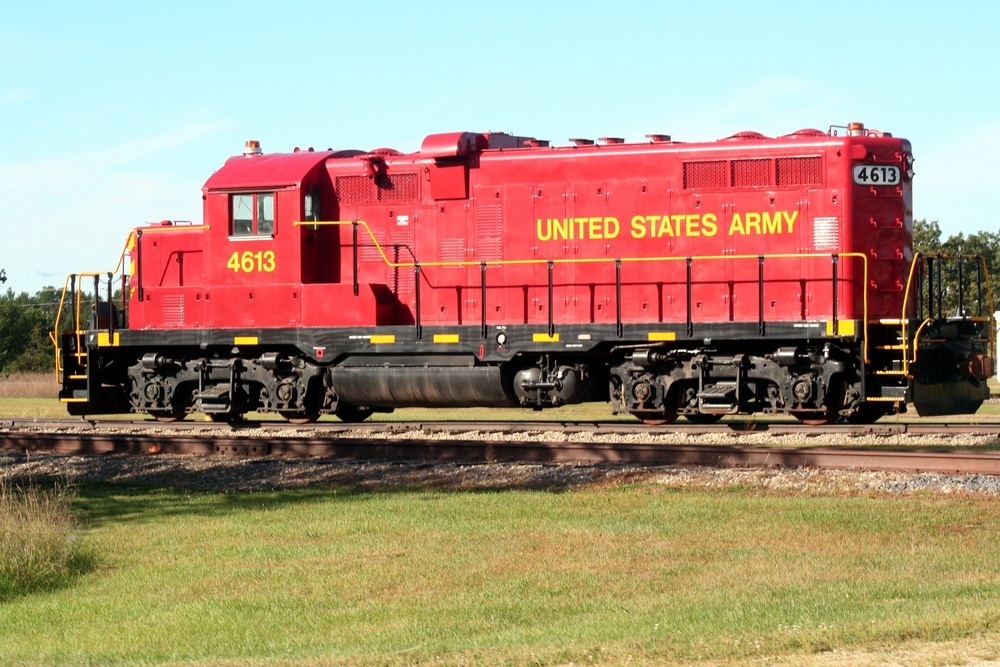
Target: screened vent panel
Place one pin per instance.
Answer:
(354, 189)
(383, 188)
(800, 171)
(397, 188)
(709, 175)
(753, 173)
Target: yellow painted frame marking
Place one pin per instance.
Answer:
(660, 336)
(103, 340)
(844, 328)
(545, 338)
(246, 340)
(382, 339)
(446, 338)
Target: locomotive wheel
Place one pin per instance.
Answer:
(300, 417)
(167, 417)
(815, 418)
(868, 413)
(659, 420)
(835, 397)
(702, 418)
(352, 414)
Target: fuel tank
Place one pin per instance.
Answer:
(421, 386)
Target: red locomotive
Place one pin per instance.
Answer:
(746, 275)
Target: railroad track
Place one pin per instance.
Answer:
(743, 427)
(537, 442)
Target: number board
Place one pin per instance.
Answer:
(872, 174)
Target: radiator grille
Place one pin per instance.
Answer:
(709, 175)
(800, 171)
(752, 173)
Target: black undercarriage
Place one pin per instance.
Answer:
(654, 372)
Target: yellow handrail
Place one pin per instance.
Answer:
(119, 267)
(911, 357)
(54, 334)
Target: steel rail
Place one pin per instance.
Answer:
(775, 427)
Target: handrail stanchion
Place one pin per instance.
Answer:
(618, 296)
(836, 260)
(690, 323)
(940, 289)
(416, 281)
(552, 328)
(354, 246)
(760, 294)
(979, 285)
(482, 282)
(961, 289)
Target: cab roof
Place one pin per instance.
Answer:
(274, 170)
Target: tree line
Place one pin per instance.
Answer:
(25, 323)
(953, 291)
(26, 320)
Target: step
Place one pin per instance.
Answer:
(213, 399)
(215, 391)
(890, 394)
(719, 390)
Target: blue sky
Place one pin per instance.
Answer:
(113, 114)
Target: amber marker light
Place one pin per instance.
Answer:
(251, 147)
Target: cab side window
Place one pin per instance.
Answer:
(311, 205)
(252, 214)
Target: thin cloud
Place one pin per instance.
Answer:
(144, 148)
(81, 222)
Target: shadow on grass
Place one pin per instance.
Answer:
(124, 489)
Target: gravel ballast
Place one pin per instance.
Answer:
(266, 474)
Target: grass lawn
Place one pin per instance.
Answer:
(616, 574)
(619, 574)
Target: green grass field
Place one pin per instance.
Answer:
(613, 574)
(623, 574)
